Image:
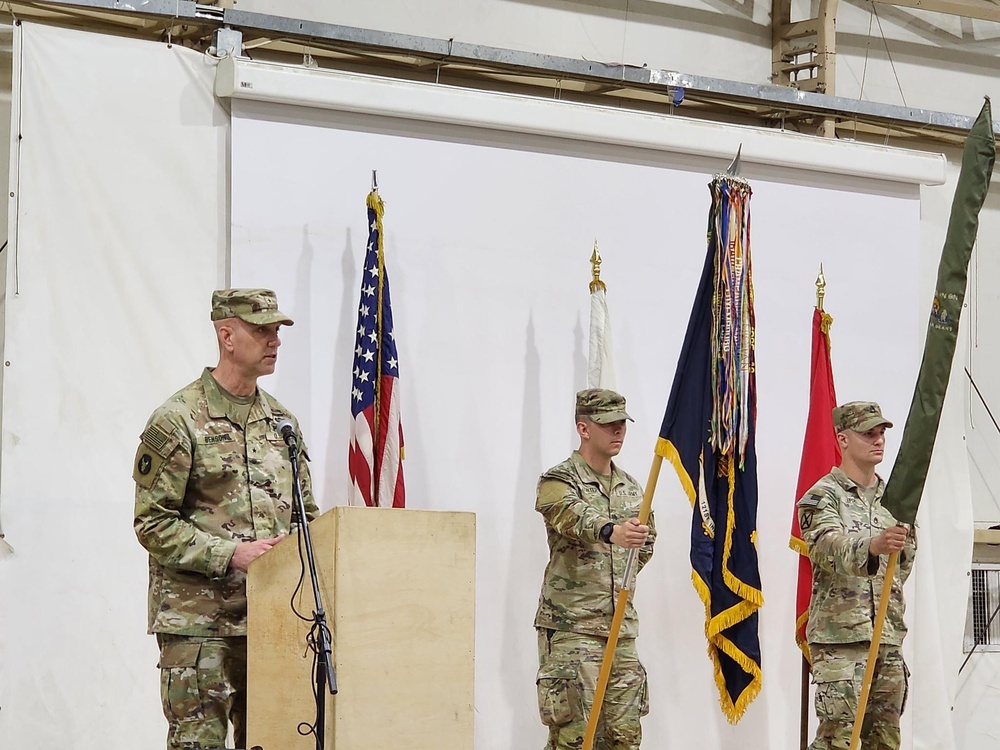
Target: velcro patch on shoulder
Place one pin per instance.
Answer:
(806, 518)
(811, 500)
(147, 466)
(157, 445)
(159, 440)
(551, 491)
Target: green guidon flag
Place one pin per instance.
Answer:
(909, 473)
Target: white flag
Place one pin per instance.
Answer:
(600, 367)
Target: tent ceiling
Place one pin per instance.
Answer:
(452, 63)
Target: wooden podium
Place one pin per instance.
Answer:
(398, 587)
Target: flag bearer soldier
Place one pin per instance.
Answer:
(590, 507)
(849, 534)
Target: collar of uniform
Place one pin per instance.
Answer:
(851, 486)
(588, 475)
(265, 408)
(219, 407)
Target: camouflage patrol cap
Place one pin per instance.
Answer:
(257, 306)
(858, 416)
(601, 405)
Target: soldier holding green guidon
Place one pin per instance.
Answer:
(849, 536)
(213, 493)
(590, 508)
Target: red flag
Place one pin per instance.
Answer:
(820, 453)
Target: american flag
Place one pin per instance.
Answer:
(376, 453)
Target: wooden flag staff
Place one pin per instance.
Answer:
(806, 667)
(866, 686)
(628, 583)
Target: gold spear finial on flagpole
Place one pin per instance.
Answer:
(820, 288)
(595, 271)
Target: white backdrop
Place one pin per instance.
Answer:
(487, 239)
(118, 236)
(120, 224)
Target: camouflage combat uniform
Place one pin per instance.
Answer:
(838, 519)
(577, 604)
(204, 483)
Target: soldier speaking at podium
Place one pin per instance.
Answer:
(214, 492)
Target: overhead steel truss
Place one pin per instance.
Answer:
(453, 62)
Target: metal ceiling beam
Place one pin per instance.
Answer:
(984, 10)
(180, 9)
(553, 66)
(445, 51)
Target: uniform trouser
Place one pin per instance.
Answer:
(203, 688)
(838, 671)
(569, 665)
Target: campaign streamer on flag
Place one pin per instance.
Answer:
(376, 451)
(600, 364)
(708, 435)
(820, 453)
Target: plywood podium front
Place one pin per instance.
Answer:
(398, 586)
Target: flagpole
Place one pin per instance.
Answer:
(806, 667)
(883, 607)
(628, 582)
(376, 203)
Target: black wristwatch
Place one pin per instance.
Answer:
(606, 531)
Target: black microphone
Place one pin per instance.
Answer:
(286, 429)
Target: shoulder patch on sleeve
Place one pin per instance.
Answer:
(159, 440)
(806, 518)
(156, 447)
(810, 500)
(551, 491)
(147, 466)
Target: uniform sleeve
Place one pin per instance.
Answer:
(161, 471)
(567, 513)
(830, 545)
(646, 551)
